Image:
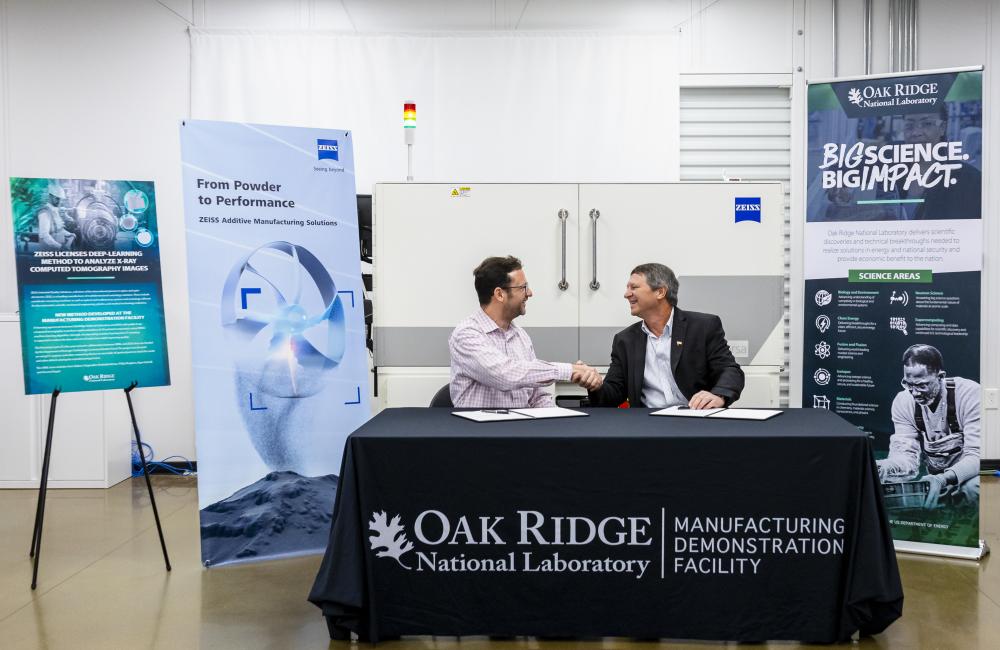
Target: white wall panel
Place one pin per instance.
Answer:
(96, 90)
(952, 34)
(728, 37)
(18, 445)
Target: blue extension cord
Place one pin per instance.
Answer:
(161, 464)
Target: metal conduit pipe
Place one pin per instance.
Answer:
(834, 21)
(867, 37)
(902, 35)
(908, 35)
(892, 36)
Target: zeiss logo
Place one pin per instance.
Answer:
(748, 209)
(327, 150)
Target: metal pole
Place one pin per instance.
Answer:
(834, 21)
(892, 36)
(907, 34)
(409, 162)
(868, 37)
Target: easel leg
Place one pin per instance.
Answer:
(36, 535)
(145, 473)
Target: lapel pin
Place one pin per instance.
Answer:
(680, 343)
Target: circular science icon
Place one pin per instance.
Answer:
(143, 237)
(96, 226)
(822, 323)
(135, 201)
(822, 376)
(823, 297)
(128, 222)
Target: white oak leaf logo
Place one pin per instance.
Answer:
(390, 536)
(854, 96)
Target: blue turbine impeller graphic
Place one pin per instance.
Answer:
(285, 322)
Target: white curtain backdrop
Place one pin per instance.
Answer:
(490, 107)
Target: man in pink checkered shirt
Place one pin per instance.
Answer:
(493, 364)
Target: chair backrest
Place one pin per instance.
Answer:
(442, 397)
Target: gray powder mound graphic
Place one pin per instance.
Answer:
(282, 514)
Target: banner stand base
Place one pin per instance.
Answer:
(943, 550)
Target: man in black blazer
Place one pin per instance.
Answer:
(670, 357)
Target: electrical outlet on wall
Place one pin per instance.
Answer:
(991, 398)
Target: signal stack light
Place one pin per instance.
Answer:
(409, 135)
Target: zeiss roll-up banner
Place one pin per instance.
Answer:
(277, 331)
(893, 262)
(88, 273)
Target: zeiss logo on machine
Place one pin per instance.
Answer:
(327, 150)
(747, 208)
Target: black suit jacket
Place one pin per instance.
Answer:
(699, 358)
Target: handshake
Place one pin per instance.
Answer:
(585, 376)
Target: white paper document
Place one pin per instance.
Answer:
(720, 414)
(499, 415)
(686, 412)
(491, 415)
(746, 414)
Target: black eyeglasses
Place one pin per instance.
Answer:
(518, 286)
(920, 386)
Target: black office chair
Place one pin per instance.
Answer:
(442, 397)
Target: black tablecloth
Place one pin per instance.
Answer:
(698, 529)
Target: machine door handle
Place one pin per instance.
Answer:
(594, 216)
(563, 216)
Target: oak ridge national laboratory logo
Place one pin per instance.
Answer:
(611, 543)
(630, 546)
(893, 94)
(390, 537)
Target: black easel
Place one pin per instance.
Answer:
(145, 471)
(36, 536)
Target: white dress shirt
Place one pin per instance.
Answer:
(659, 389)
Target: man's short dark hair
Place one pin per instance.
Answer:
(494, 272)
(659, 276)
(924, 355)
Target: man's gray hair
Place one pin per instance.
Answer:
(659, 276)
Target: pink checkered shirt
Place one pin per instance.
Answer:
(493, 368)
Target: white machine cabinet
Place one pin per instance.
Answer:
(578, 243)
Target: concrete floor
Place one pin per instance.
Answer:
(102, 584)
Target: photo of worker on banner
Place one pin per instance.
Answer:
(933, 460)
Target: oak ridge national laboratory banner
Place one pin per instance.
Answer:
(893, 261)
(277, 331)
